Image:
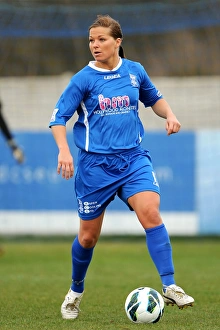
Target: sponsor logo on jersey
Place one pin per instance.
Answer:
(112, 76)
(113, 103)
(114, 106)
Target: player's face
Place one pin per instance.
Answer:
(103, 46)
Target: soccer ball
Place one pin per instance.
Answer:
(144, 305)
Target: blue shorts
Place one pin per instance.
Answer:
(99, 178)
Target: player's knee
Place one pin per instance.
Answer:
(150, 217)
(88, 240)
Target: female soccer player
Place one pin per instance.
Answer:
(111, 161)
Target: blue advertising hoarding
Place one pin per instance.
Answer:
(35, 184)
(173, 159)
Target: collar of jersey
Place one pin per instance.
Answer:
(92, 65)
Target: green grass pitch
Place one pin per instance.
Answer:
(35, 275)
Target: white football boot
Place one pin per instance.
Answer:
(173, 294)
(70, 306)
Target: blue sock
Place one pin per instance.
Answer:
(81, 258)
(160, 250)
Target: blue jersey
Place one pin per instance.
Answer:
(107, 106)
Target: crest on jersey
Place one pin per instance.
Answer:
(134, 81)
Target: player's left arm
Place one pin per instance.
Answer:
(162, 109)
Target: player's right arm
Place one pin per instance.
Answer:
(65, 159)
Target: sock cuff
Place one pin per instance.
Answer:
(80, 251)
(150, 230)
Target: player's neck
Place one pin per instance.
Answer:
(108, 65)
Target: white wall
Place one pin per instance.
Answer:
(29, 101)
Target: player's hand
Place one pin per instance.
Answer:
(18, 154)
(172, 125)
(65, 164)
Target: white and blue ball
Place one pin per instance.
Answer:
(144, 305)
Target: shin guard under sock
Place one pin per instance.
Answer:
(160, 250)
(81, 258)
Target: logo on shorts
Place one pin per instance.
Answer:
(87, 207)
(80, 206)
(155, 183)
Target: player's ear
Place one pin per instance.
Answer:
(119, 41)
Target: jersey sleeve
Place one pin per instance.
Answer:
(149, 94)
(69, 101)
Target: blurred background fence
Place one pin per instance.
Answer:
(43, 43)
